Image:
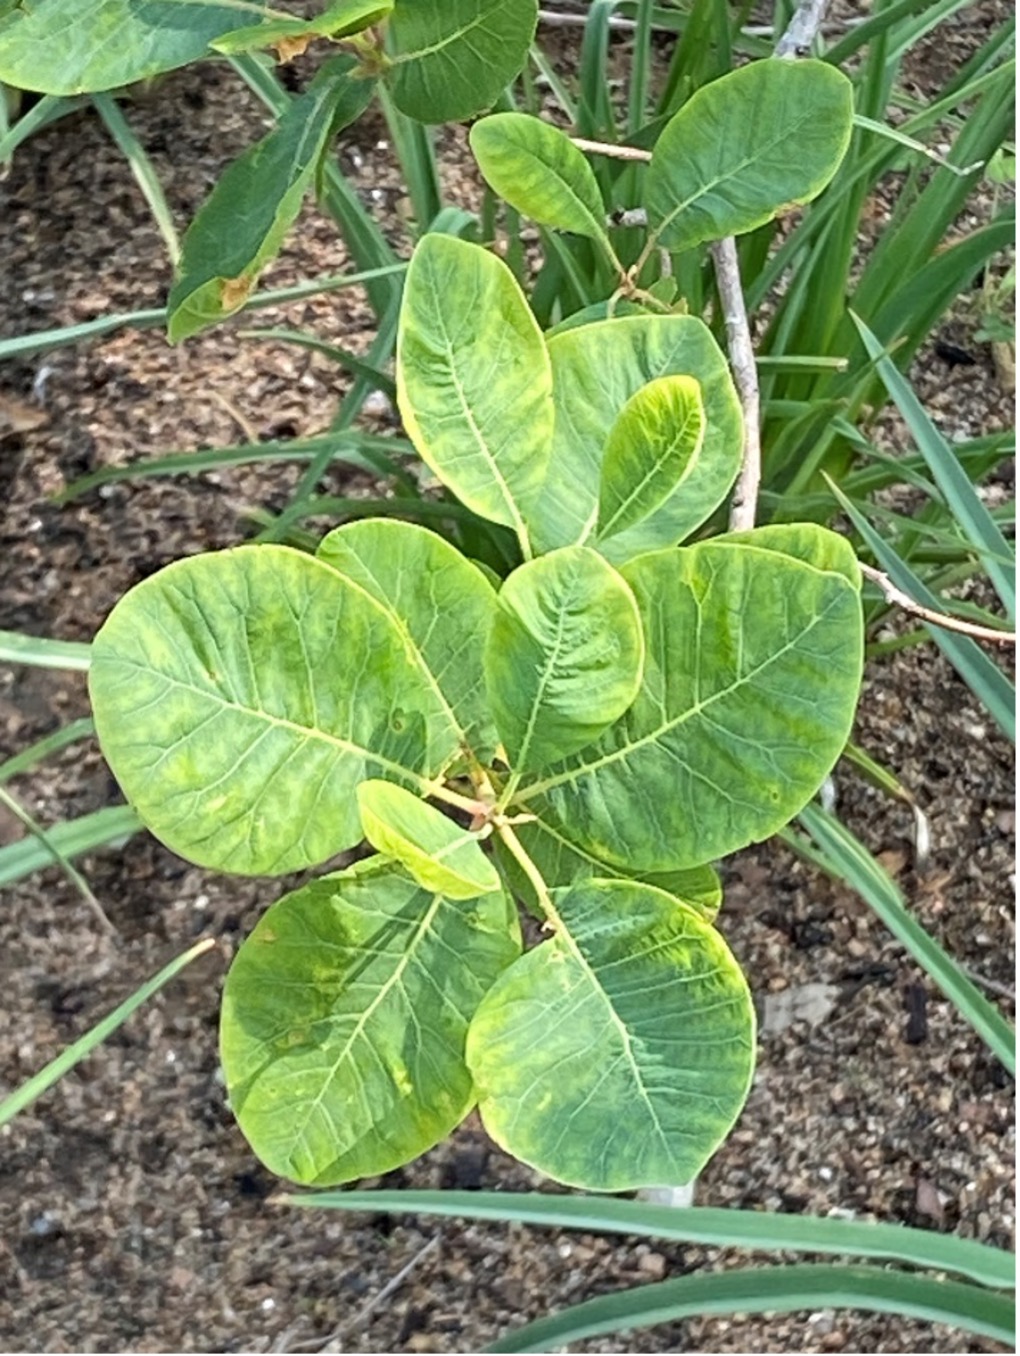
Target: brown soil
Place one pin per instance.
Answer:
(133, 1215)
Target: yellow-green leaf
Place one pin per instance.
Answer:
(652, 448)
(439, 854)
(619, 1053)
(345, 1017)
(564, 656)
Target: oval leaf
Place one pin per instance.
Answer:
(596, 369)
(66, 47)
(744, 148)
(241, 696)
(241, 225)
(440, 602)
(453, 58)
(439, 854)
(752, 672)
(473, 379)
(539, 170)
(564, 655)
(618, 1054)
(652, 447)
(345, 1016)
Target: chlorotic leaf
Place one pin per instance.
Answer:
(345, 1016)
(747, 146)
(596, 369)
(453, 58)
(242, 223)
(440, 855)
(67, 47)
(241, 696)
(752, 670)
(473, 378)
(292, 36)
(652, 447)
(538, 170)
(564, 656)
(619, 1053)
(442, 604)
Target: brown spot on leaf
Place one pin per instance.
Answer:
(234, 292)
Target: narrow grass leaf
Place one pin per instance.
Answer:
(775, 1290)
(73, 837)
(841, 855)
(759, 1230)
(74, 1054)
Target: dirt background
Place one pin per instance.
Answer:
(132, 1215)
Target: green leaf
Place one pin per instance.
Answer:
(473, 379)
(596, 369)
(809, 1287)
(754, 1230)
(241, 696)
(346, 16)
(746, 147)
(540, 172)
(453, 58)
(652, 448)
(441, 856)
(619, 1053)
(440, 602)
(564, 656)
(65, 47)
(241, 225)
(752, 670)
(345, 1016)
(562, 863)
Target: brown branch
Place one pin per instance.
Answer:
(902, 600)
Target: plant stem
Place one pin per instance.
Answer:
(902, 600)
(802, 29)
(516, 848)
(745, 376)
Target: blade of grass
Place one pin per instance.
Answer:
(366, 451)
(109, 827)
(984, 678)
(142, 168)
(760, 1230)
(380, 352)
(75, 1053)
(50, 108)
(412, 142)
(343, 357)
(773, 1289)
(973, 516)
(25, 345)
(840, 854)
(39, 751)
(40, 652)
(52, 850)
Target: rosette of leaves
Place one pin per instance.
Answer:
(585, 739)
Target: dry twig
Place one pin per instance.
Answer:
(902, 600)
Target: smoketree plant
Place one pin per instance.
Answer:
(584, 738)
